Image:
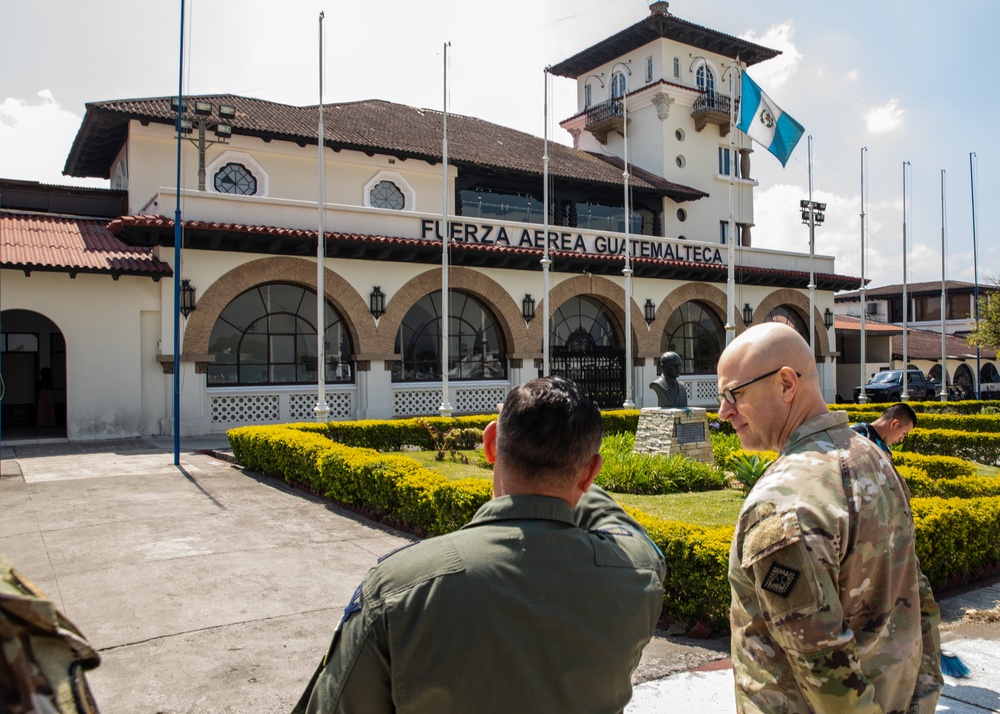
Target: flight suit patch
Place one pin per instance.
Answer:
(780, 579)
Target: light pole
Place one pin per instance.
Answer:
(322, 409)
(627, 270)
(863, 397)
(812, 215)
(203, 120)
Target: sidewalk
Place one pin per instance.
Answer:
(207, 589)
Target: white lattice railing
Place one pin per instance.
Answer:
(702, 391)
(466, 398)
(235, 406)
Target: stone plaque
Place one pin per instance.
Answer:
(690, 433)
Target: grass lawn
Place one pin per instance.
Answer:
(985, 470)
(452, 469)
(707, 508)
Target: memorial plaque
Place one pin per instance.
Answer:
(689, 433)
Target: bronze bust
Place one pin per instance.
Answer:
(670, 394)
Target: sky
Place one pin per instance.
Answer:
(908, 80)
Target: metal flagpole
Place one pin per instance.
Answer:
(973, 170)
(177, 254)
(944, 352)
(546, 261)
(730, 326)
(862, 397)
(321, 409)
(445, 409)
(905, 396)
(812, 250)
(627, 270)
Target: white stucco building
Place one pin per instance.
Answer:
(249, 220)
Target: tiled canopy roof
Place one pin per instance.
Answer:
(924, 344)
(49, 243)
(371, 126)
(931, 287)
(849, 324)
(661, 24)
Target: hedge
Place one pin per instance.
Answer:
(956, 537)
(937, 467)
(979, 423)
(982, 448)
(966, 406)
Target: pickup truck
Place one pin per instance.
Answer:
(887, 386)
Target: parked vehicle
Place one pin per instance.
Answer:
(887, 386)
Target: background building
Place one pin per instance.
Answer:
(250, 213)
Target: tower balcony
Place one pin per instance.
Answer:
(711, 108)
(604, 118)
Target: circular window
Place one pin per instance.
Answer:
(679, 134)
(681, 162)
(682, 215)
(235, 178)
(386, 194)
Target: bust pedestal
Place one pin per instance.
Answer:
(674, 431)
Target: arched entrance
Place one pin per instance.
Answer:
(587, 349)
(964, 380)
(33, 374)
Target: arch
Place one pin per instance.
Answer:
(354, 310)
(609, 294)
(989, 374)
(479, 285)
(793, 298)
(704, 293)
(965, 378)
(697, 335)
(34, 374)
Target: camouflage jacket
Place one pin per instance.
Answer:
(830, 610)
(531, 607)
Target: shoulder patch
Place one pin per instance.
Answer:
(613, 530)
(355, 605)
(780, 579)
(393, 552)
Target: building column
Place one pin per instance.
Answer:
(745, 163)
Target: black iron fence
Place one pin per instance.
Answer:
(605, 110)
(711, 101)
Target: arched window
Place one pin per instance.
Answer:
(267, 335)
(475, 343)
(386, 194)
(586, 348)
(935, 373)
(989, 373)
(705, 79)
(619, 85)
(696, 333)
(788, 316)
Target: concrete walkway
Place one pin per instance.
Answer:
(209, 589)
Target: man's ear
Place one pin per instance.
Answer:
(789, 383)
(490, 442)
(590, 473)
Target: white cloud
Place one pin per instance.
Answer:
(778, 71)
(853, 75)
(35, 139)
(885, 117)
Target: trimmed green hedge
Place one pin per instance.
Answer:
(978, 423)
(967, 406)
(982, 448)
(956, 537)
(937, 467)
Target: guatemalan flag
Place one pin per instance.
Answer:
(764, 122)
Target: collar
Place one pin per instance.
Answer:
(823, 422)
(523, 507)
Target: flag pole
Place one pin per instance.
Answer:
(445, 409)
(627, 270)
(973, 170)
(177, 253)
(730, 326)
(905, 396)
(863, 397)
(944, 351)
(322, 409)
(546, 261)
(812, 250)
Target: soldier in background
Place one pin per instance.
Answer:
(891, 427)
(542, 603)
(830, 610)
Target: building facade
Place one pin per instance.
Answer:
(250, 216)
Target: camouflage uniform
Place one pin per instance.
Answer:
(830, 610)
(531, 607)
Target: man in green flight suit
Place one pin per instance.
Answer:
(830, 611)
(542, 603)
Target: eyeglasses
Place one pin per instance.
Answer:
(729, 394)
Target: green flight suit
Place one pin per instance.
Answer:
(830, 611)
(531, 607)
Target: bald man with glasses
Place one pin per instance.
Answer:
(830, 611)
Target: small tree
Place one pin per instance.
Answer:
(987, 333)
